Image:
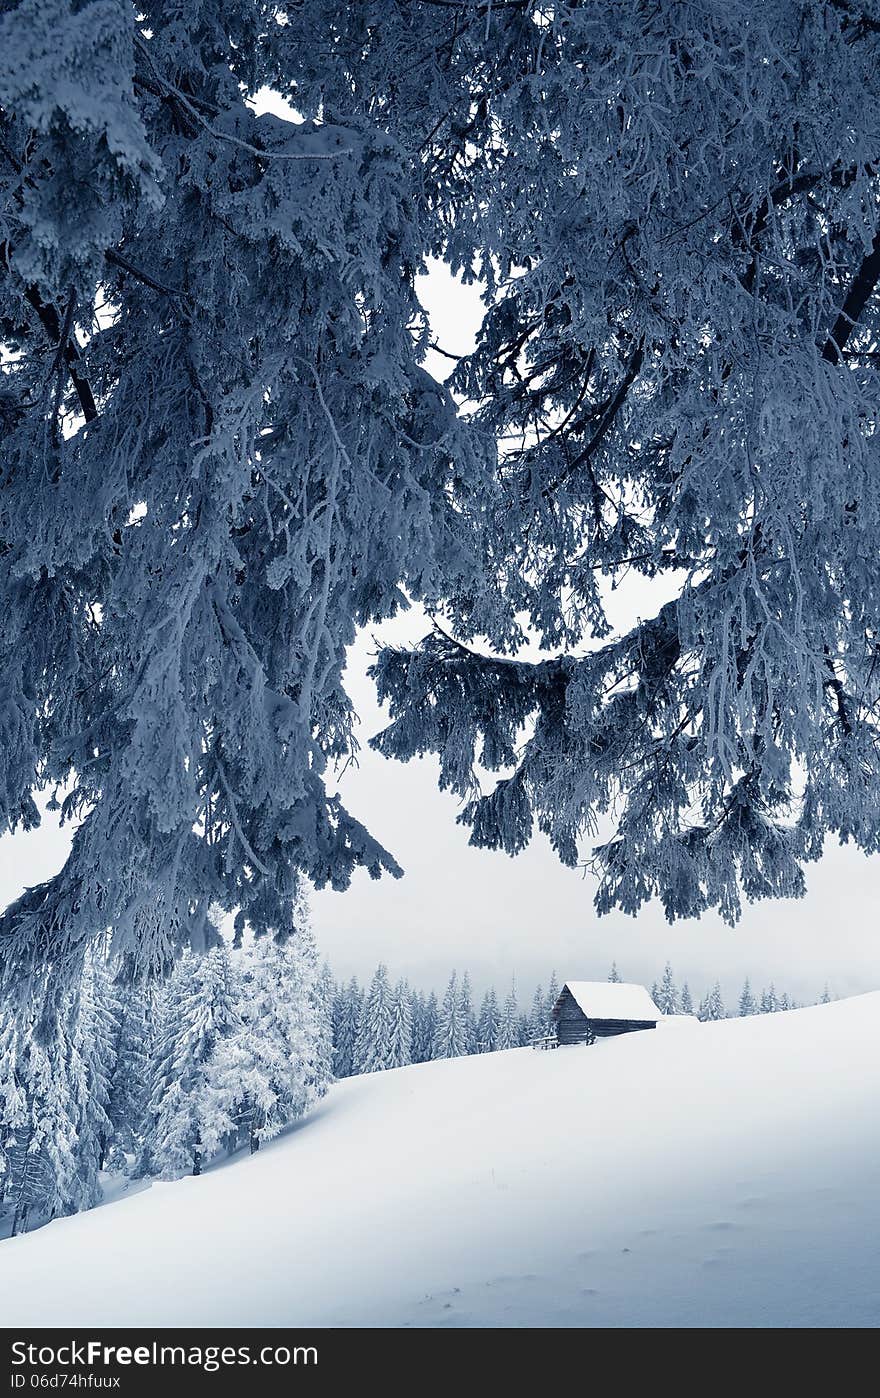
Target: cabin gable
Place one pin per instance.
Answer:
(572, 1025)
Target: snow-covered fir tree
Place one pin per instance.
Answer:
(508, 1028)
(424, 1027)
(488, 1023)
(11, 1097)
(93, 1052)
(747, 1005)
(769, 1002)
(550, 1002)
(614, 975)
(451, 1037)
(667, 1000)
(401, 1033)
(468, 1017)
(40, 1111)
(686, 1003)
(537, 1015)
(324, 996)
(348, 1004)
(372, 1051)
(15, 1117)
(272, 1063)
(712, 1004)
(199, 1008)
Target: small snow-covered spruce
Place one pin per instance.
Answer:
(401, 1031)
(550, 1002)
(537, 1016)
(666, 999)
(686, 1004)
(488, 1023)
(93, 1053)
(451, 1037)
(185, 1115)
(825, 998)
(347, 1010)
(712, 1005)
(424, 1027)
(372, 1053)
(466, 1011)
(747, 1005)
(769, 1002)
(614, 974)
(508, 1029)
(323, 995)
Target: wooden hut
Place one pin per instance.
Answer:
(588, 1010)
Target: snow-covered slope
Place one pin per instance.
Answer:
(720, 1174)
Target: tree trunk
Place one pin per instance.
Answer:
(258, 1117)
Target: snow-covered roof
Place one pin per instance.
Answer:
(613, 1000)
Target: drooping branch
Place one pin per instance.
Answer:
(116, 259)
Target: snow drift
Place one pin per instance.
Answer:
(726, 1176)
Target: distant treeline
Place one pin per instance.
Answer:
(390, 1024)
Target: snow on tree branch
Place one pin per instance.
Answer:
(222, 453)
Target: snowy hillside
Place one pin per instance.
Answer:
(718, 1174)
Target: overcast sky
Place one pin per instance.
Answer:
(502, 917)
